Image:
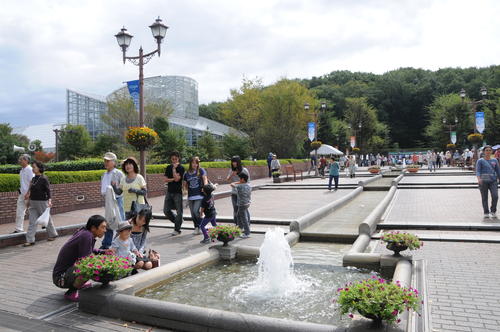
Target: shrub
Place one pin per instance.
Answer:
(9, 182)
(377, 299)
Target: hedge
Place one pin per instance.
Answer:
(10, 182)
(92, 164)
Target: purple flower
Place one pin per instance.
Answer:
(398, 321)
(351, 316)
(395, 312)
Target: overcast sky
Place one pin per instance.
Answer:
(48, 46)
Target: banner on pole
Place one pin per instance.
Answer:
(353, 141)
(311, 126)
(453, 137)
(133, 89)
(480, 122)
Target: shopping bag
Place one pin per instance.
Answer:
(43, 220)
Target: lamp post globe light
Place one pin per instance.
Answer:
(124, 38)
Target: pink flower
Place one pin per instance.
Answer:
(96, 272)
(351, 316)
(96, 278)
(398, 321)
(77, 271)
(90, 265)
(99, 266)
(395, 312)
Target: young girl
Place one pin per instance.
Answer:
(194, 179)
(139, 234)
(125, 247)
(207, 211)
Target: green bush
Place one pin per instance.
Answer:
(88, 164)
(74, 176)
(9, 182)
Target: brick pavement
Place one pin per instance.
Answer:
(435, 206)
(463, 285)
(439, 179)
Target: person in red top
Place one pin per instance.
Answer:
(322, 165)
(81, 244)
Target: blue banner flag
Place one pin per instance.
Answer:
(133, 89)
(311, 130)
(480, 122)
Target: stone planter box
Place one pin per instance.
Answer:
(278, 180)
(412, 170)
(374, 171)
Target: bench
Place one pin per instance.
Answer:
(290, 170)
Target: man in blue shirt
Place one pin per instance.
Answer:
(488, 173)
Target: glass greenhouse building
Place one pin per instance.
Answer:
(181, 91)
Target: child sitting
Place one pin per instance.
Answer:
(124, 246)
(244, 194)
(207, 211)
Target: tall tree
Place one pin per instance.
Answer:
(209, 145)
(74, 142)
(7, 142)
(235, 145)
(170, 139)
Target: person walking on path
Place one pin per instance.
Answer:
(194, 179)
(112, 175)
(351, 164)
(236, 168)
(269, 161)
(334, 174)
(322, 166)
(81, 244)
(432, 161)
(312, 166)
(174, 173)
(244, 199)
(208, 211)
(488, 173)
(39, 200)
(25, 176)
(139, 235)
(133, 186)
(275, 164)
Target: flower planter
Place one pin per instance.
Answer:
(374, 171)
(227, 252)
(278, 180)
(396, 247)
(412, 170)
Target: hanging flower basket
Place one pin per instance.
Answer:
(141, 137)
(475, 138)
(316, 145)
(356, 150)
(450, 146)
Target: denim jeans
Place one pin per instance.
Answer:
(336, 179)
(205, 221)
(493, 188)
(173, 201)
(234, 200)
(108, 238)
(244, 219)
(119, 201)
(194, 208)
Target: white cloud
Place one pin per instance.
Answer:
(53, 45)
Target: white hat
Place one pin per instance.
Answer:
(110, 156)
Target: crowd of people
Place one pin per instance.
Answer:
(125, 226)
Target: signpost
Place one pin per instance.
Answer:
(453, 137)
(311, 130)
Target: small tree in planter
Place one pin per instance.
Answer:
(102, 268)
(397, 241)
(377, 299)
(224, 233)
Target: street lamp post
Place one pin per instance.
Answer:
(158, 29)
(450, 125)
(316, 124)
(474, 103)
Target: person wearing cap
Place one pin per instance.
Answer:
(112, 175)
(124, 246)
(132, 185)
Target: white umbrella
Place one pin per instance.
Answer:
(326, 149)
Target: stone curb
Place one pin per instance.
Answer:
(369, 225)
(363, 183)
(313, 216)
(13, 239)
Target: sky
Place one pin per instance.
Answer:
(49, 46)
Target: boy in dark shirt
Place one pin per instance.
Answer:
(173, 198)
(207, 211)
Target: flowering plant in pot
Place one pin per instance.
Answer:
(475, 138)
(276, 174)
(412, 168)
(102, 268)
(224, 233)
(141, 137)
(377, 299)
(398, 241)
(450, 146)
(374, 169)
(356, 150)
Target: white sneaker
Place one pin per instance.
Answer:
(196, 231)
(175, 233)
(244, 236)
(486, 216)
(493, 215)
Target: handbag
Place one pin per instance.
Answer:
(154, 257)
(138, 207)
(488, 178)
